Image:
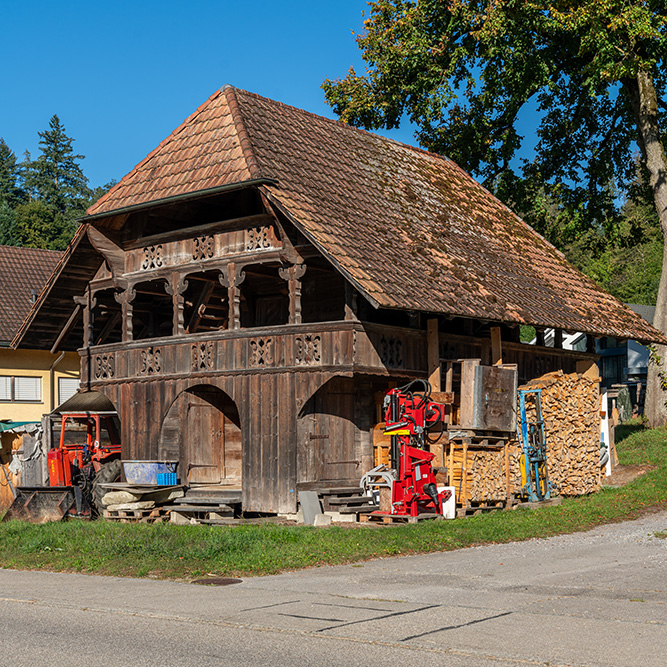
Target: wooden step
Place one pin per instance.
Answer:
(219, 495)
(195, 500)
(182, 507)
(356, 509)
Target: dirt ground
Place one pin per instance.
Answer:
(622, 475)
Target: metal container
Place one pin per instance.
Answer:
(146, 472)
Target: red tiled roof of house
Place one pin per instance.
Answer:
(409, 228)
(23, 274)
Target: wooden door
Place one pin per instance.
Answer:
(327, 433)
(203, 441)
(201, 430)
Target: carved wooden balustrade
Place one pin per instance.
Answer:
(342, 347)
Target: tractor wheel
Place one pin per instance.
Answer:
(108, 473)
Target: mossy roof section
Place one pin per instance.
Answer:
(23, 274)
(409, 228)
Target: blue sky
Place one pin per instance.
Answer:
(122, 75)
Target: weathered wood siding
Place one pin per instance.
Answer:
(304, 396)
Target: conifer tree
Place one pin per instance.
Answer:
(56, 177)
(11, 192)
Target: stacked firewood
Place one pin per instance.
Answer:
(571, 413)
(570, 409)
(485, 477)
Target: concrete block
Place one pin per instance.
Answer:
(322, 520)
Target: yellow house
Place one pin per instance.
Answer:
(32, 382)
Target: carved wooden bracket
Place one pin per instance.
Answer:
(293, 274)
(175, 288)
(231, 277)
(125, 299)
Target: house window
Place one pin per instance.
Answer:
(18, 389)
(67, 387)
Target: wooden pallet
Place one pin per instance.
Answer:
(473, 509)
(389, 519)
(155, 515)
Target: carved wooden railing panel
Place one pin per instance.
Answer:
(394, 348)
(201, 248)
(342, 347)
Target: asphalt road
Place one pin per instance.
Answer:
(596, 598)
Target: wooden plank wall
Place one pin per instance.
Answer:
(532, 360)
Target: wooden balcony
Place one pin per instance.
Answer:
(343, 347)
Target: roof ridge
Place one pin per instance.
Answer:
(339, 123)
(243, 136)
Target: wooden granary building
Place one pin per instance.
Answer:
(244, 293)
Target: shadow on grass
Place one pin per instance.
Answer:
(624, 431)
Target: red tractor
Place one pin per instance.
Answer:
(87, 455)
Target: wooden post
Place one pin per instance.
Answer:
(558, 339)
(350, 302)
(496, 347)
(539, 337)
(88, 303)
(433, 354)
(507, 472)
(231, 278)
(176, 287)
(464, 473)
(125, 299)
(293, 274)
(449, 383)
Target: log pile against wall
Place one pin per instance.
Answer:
(571, 413)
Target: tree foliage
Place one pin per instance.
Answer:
(55, 177)
(11, 192)
(463, 72)
(41, 199)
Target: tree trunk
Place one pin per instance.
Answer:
(644, 101)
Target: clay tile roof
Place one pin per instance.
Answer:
(409, 228)
(23, 274)
(209, 149)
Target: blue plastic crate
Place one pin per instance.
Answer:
(146, 472)
(166, 478)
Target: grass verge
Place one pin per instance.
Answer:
(186, 552)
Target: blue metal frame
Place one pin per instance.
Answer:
(534, 458)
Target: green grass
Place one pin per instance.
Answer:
(186, 552)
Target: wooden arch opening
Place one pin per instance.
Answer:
(202, 431)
